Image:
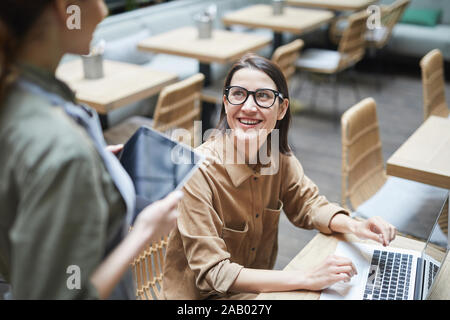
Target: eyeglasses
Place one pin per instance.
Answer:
(264, 98)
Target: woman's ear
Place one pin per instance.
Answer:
(283, 108)
(224, 100)
(60, 7)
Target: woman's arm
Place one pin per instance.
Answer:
(333, 269)
(152, 223)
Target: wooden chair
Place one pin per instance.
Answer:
(411, 206)
(350, 51)
(286, 55)
(363, 171)
(178, 106)
(390, 16)
(147, 271)
(378, 37)
(433, 84)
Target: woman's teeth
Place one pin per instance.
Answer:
(249, 122)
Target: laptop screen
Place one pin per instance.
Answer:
(436, 249)
(157, 165)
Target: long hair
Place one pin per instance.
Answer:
(253, 61)
(16, 19)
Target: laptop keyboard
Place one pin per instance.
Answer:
(432, 272)
(389, 276)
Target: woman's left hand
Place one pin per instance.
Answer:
(377, 229)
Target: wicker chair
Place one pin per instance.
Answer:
(363, 171)
(409, 205)
(147, 271)
(178, 106)
(379, 37)
(433, 84)
(350, 51)
(390, 16)
(285, 57)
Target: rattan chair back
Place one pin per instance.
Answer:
(352, 44)
(286, 55)
(147, 271)
(433, 85)
(363, 171)
(178, 106)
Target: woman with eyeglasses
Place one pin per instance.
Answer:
(225, 243)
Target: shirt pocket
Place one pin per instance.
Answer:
(271, 219)
(236, 242)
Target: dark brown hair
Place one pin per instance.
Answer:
(253, 61)
(16, 19)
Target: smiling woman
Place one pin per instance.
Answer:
(225, 243)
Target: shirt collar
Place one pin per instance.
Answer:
(46, 80)
(238, 172)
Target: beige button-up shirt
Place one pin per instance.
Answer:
(229, 220)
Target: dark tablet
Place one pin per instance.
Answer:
(157, 165)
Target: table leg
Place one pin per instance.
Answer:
(277, 40)
(208, 109)
(205, 68)
(103, 117)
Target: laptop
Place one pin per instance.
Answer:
(386, 273)
(157, 165)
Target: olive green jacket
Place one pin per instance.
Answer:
(59, 207)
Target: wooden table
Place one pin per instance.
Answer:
(122, 84)
(293, 20)
(323, 245)
(335, 5)
(223, 47)
(425, 156)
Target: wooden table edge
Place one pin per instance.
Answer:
(417, 175)
(104, 108)
(335, 7)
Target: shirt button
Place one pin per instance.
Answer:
(253, 249)
(255, 178)
(257, 215)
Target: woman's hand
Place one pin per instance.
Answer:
(159, 218)
(377, 229)
(333, 269)
(115, 148)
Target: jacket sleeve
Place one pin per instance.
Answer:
(59, 236)
(303, 204)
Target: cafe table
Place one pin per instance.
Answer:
(334, 5)
(292, 20)
(122, 84)
(223, 47)
(323, 245)
(425, 155)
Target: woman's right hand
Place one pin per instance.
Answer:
(159, 218)
(333, 269)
